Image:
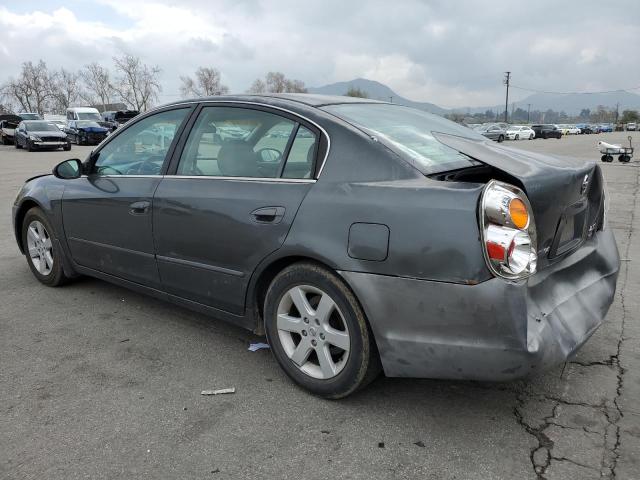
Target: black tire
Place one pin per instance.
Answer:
(603, 158)
(17, 144)
(501, 139)
(56, 276)
(29, 146)
(544, 136)
(362, 364)
(66, 148)
(531, 136)
(517, 137)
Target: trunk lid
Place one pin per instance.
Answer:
(566, 194)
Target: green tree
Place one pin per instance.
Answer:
(630, 116)
(356, 92)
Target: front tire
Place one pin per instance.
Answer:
(501, 139)
(318, 331)
(43, 252)
(29, 146)
(517, 137)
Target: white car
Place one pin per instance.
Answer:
(520, 132)
(569, 129)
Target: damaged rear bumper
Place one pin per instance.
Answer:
(496, 330)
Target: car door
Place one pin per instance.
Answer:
(236, 187)
(20, 134)
(107, 214)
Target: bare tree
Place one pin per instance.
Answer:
(32, 89)
(276, 82)
(98, 88)
(206, 83)
(65, 89)
(138, 84)
(257, 87)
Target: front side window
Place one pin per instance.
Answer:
(142, 148)
(241, 142)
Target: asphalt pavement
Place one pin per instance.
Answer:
(99, 382)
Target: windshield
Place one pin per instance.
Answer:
(87, 123)
(409, 132)
(40, 127)
(88, 116)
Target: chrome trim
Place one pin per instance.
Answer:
(122, 176)
(245, 102)
(205, 266)
(243, 179)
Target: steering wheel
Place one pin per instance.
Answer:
(146, 167)
(104, 170)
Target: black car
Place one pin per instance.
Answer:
(547, 130)
(85, 132)
(372, 236)
(40, 134)
(115, 119)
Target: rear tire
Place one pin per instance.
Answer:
(43, 252)
(305, 340)
(17, 144)
(501, 139)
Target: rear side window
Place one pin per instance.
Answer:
(242, 142)
(409, 132)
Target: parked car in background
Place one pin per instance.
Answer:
(29, 116)
(115, 119)
(605, 127)
(632, 126)
(8, 125)
(85, 132)
(40, 134)
(493, 132)
(569, 129)
(385, 237)
(546, 130)
(585, 128)
(86, 113)
(520, 132)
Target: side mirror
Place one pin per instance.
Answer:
(68, 170)
(269, 155)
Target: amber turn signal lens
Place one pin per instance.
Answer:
(518, 213)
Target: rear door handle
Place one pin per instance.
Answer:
(139, 208)
(268, 214)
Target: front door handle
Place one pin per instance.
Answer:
(268, 214)
(139, 208)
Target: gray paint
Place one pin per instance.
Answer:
(368, 241)
(433, 305)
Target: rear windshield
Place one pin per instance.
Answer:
(409, 132)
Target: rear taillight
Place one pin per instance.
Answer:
(508, 231)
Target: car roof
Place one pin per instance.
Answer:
(309, 99)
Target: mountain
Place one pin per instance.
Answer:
(571, 104)
(376, 91)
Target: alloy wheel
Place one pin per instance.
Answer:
(313, 332)
(40, 247)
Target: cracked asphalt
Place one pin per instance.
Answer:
(103, 383)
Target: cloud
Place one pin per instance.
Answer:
(448, 53)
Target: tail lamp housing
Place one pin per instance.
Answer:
(508, 231)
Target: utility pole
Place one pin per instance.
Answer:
(528, 111)
(507, 78)
(617, 111)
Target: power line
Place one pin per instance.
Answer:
(574, 93)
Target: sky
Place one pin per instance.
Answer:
(451, 53)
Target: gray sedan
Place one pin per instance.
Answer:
(40, 134)
(494, 132)
(359, 236)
